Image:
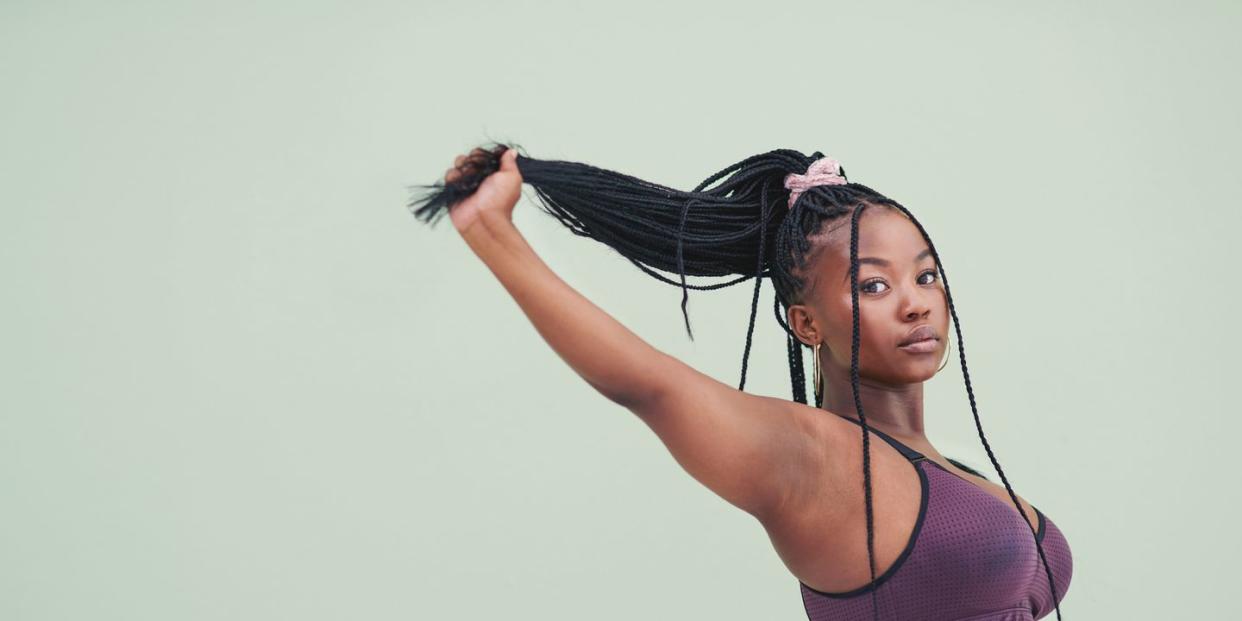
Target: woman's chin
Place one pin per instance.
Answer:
(914, 371)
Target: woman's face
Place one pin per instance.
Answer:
(899, 289)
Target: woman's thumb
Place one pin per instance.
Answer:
(508, 160)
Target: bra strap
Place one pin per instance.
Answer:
(906, 451)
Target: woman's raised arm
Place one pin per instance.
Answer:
(748, 449)
(610, 357)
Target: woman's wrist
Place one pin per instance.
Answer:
(493, 236)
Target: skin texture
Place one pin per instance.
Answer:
(892, 300)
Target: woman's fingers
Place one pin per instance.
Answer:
(451, 174)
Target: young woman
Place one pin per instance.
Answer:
(894, 531)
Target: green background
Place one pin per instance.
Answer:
(241, 381)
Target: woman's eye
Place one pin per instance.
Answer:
(876, 281)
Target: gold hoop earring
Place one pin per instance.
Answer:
(946, 356)
(819, 377)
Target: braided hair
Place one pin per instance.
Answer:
(741, 226)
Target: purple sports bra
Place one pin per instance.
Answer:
(970, 557)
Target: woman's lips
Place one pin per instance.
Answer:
(921, 347)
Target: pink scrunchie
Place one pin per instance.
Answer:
(823, 171)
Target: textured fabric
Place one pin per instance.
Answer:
(971, 557)
(823, 171)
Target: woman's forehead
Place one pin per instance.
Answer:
(883, 234)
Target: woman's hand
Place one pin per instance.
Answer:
(495, 197)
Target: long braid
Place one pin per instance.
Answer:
(854, 384)
(796, 374)
(754, 301)
(715, 232)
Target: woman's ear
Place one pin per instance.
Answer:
(802, 322)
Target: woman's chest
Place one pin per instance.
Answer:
(924, 519)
